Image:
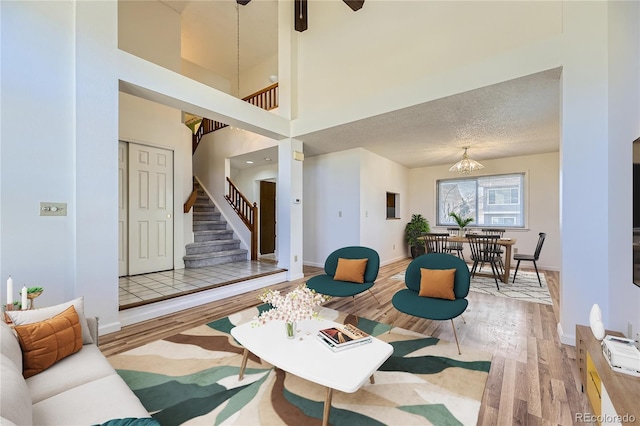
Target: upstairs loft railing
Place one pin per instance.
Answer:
(266, 98)
(247, 212)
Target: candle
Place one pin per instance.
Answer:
(24, 297)
(9, 291)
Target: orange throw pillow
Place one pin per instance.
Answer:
(351, 270)
(46, 342)
(437, 283)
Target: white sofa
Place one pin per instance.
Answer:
(81, 389)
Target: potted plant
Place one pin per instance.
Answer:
(418, 226)
(462, 222)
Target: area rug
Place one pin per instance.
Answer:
(526, 287)
(192, 378)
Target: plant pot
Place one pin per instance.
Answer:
(417, 251)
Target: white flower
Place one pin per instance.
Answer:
(297, 305)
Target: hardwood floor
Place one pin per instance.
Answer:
(533, 378)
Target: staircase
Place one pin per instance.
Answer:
(213, 242)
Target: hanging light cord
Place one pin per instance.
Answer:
(238, 45)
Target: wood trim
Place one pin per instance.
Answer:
(191, 200)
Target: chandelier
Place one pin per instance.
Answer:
(466, 165)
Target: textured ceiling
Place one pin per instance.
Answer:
(517, 117)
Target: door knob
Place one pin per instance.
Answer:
(169, 215)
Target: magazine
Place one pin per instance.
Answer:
(337, 348)
(343, 336)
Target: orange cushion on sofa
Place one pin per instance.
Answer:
(437, 283)
(46, 342)
(351, 270)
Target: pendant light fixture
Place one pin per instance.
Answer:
(466, 165)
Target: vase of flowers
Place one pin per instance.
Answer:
(297, 305)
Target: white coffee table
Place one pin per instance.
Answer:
(306, 357)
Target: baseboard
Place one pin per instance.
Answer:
(111, 327)
(158, 309)
(296, 277)
(396, 259)
(566, 339)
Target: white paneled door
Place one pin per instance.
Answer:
(150, 209)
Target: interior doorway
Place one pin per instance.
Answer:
(267, 217)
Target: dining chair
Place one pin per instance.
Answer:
(530, 257)
(500, 232)
(435, 242)
(455, 245)
(494, 231)
(484, 249)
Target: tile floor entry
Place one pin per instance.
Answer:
(137, 290)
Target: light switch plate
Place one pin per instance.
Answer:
(53, 209)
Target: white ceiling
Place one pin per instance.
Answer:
(517, 117)
(210, 33)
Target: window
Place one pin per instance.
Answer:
(504, 196)
(490, 200)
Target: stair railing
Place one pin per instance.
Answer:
(266, 98)
(247, 212)
(191, 200)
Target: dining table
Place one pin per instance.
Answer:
(507, 243)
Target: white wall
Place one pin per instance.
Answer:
(256, 78)
(345, 204)
(149, 123)
(205, 76)
(599, 111)
(378, 176)
(542, 187)
(624, 127)
(289, 208)
(28, 94)
(331, 204)
(150, 30)
(62, 74)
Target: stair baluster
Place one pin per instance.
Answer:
(247, 212)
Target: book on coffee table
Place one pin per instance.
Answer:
(343, 337)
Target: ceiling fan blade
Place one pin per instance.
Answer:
(243, 2)
(354, 4)
(300, 15)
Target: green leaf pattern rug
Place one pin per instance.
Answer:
(191, 378)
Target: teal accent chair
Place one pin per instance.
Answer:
(325, 284)
(407, 300)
